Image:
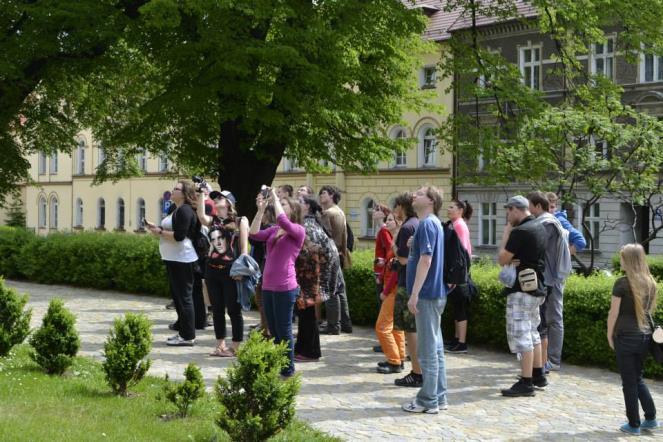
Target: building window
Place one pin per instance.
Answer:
(163, 163)
(53, 221)
(593, 221)
(369, 226)
(602, 58)
(400, 158)
(42, 212)
(428, 77)
(54, 163)
(102, 155)
(79, 212)
(289, 164)
(651, 68)
(427, 146)
(140, 210)
(488, 224)
(530, 66)
(80, 158)
(101, 213)
(142, 159)
(120, 214)
(42, 164)
(601, 150)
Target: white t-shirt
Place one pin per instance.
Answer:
(179, 251)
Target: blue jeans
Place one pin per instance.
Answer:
(278, 311)
(430, 351)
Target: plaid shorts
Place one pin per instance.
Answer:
(403, 319)
(522, 320)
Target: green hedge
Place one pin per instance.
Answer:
(88, 259)
(586, 305)
(655, 265)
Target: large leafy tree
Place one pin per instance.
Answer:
(525, 138)
(230, 87)
(42, 43)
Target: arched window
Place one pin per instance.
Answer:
(80, 158)
(369, 227)
(400, 158)
(101, 213)
(427, 146)
(53, 218)
(79, 212)
(42, 212)
(140, 211)
(120, 214)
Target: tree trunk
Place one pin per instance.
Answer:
(241, 171)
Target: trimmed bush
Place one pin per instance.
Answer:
(185, 394)
(586, 305)
(126, 350)
(655, 265)
(255, 402)
(12, 241)
(56, 342)
(14, 319)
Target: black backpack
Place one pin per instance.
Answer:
(351, 237)
(456, 258)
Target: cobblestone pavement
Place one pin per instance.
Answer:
(343, 395)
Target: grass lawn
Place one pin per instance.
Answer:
(79, 406)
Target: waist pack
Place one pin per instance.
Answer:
(528, 280)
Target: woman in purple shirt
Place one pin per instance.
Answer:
(279, 282)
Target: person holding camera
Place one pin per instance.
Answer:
(229, 240)
(176, 235)
(279, 285)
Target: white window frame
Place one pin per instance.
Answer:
(606, 56)
(532, 64)
(425, 137)
(102, 155)
(597, 144)
(121, 214)
(400, 158)
(101, 213)
(42, 211)
(368, 227)
(142, 159)
(657, 68)
(594, 221)
(42, 163)
(163, 163)
(289, 164)
(429, 76)
(79, 212)
(80, 158)
(53, 163)
(491, 218)
(53, 213)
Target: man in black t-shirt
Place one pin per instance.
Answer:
(523, 245)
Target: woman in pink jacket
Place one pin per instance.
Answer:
(279, 282)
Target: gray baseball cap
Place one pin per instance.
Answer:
(517, 201)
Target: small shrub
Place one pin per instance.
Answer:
(255, 402)
(14, 319)
(126, 349)
(56, 342)
(12, 241)
(185, 394)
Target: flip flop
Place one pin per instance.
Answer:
(226, 353)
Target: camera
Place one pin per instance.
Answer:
(264, 191)
(199, 182)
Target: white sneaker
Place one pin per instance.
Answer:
(173, 338)
(413, 407)
(180, 342)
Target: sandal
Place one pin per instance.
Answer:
(222, 353)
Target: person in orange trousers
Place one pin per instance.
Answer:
(392, 341)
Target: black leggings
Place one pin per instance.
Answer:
(222, 290)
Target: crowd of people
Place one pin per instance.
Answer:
(292, 256)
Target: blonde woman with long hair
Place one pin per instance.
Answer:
(629, 334)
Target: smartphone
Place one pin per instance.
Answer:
(146, 222)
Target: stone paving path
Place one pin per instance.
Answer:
(343, 395)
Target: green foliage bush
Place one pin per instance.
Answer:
(255, 402)
(56, 342)
(14, 319)
(586, 305)
(655, 265)
(87, 259)
(185, 394)
(126, 349)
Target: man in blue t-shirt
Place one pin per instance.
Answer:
(428, 296)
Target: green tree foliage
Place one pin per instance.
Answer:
(255, 402)
(183, 395)
(126, 350)
(56, 342)
(14, 318)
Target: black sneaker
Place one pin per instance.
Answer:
(347, 329)
(451, 344)
(385, 363)
(330, 331)
(390, 368)
(461, 347)
(519, 389)
(540, 381)
(411, 380)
